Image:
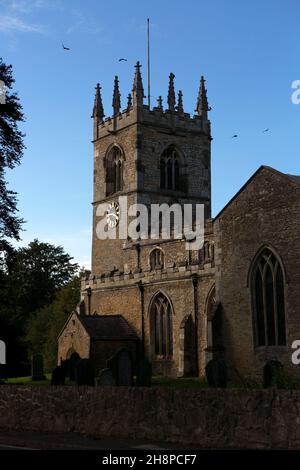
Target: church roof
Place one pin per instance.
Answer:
(295, 178)
(291, 178)
(107, 327)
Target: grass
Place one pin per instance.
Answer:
(185, 382)
(28, 381)
(181, 383)
(175, 383)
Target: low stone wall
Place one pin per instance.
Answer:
(205, 418)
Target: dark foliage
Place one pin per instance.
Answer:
(31, 280)
(35, 273)
(11, 152)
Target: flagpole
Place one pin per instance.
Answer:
(148, 50)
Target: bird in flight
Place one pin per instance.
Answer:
(266, 130)
(120, 60)
(235, 135)
(65, 48)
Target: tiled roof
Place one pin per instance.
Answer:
(107, 327)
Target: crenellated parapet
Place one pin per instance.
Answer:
(173, 117)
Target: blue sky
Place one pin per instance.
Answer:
(248, 52)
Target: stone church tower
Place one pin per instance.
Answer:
(130, 149)
(153, 156)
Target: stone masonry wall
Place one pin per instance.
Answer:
(73, 338)
(265, 213)
(205, 418)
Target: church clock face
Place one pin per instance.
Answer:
(113, 215)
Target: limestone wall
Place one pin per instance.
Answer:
(205, 418)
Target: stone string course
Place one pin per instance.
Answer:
(205, 418)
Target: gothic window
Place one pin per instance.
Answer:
(215, 340)
(156, 259)
(114, 171)
(161, 327)
(268, 300)
(170, 169)
(206, 253)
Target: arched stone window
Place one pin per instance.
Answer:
(114, 171)
(207, 252)
(215, 330)
(161, 327)
(170, 169)
(186, 346)
(156, 259)
(267, 285)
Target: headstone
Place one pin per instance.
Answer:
(85, 372)
(58, 375)
(144, 374)
(3, 366)
(74, 358)
(105, 379)
(2, 352)
(37, 367)
(272, 373)
(121, 365)
(216, 373)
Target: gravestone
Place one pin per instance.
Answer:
(216, 373)
(272, 373)
(37, 367)
(144, 375)
(121, 365)
(85, 372)
(74, 359)
(105, 379)
(2, 360)
(58, 376)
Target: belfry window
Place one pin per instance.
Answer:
(206, 253)
(114, 171)
(170, 169)
(268, 300)
(156, 259)
(161, 327)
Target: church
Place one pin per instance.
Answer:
(235, 298)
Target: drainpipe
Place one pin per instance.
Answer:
(89, 295)
(195, 281)
(142, 290)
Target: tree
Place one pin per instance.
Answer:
(30, 280)
(11, 152)
(45, 326)
(35, 273)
